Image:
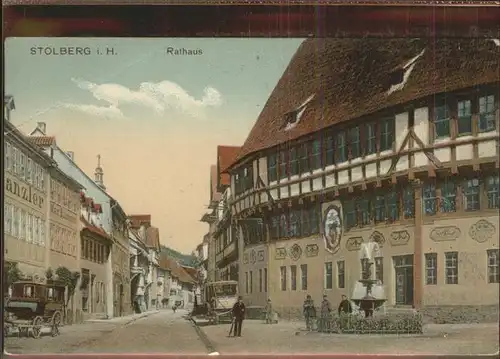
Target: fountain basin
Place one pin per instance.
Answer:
(368, 304)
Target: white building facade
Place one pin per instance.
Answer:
(94, 189)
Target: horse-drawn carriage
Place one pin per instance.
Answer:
(34, 306)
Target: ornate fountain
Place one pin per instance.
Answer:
(368, 293)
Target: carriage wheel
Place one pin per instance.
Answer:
(56, 322)
(37, 327)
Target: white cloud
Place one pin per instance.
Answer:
(159, 96)
(110, 112)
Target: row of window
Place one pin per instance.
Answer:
(64, 237)
(94, 251)
(437, 197)
(98, 290)
(23, 225)
(451, 267)
(328, 275)
(243, 179)
(293, 277)
(64, 196)
(22, 166)
(296, 223)
(262, 281)
(331, 148)
(431, 269)
(334, 147)
(462, 111)
(384, 205)
(443, 196)
(226, 237)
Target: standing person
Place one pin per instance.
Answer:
(269, 312)
(326, 308)
(238, 316)
(345, 306)
(309, 312)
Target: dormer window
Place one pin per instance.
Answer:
(292, 118)
(399, 77)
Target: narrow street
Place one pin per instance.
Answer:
(162, 332)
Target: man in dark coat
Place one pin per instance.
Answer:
(345, 306)
(238, 316)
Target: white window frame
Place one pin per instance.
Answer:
(328, 275)
(22, 166)
(493, 264)
(29, 171)
(22, 234)
(29, 227)
(15, 158)
(451, 278)
(16, 222)
(8, 157)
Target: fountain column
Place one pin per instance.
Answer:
(364, 296)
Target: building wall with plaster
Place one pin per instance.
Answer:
(471, 238)
(26, 207)
(419, 158)
(253, 268)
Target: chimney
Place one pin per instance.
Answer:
(41, 126)
(71, 155)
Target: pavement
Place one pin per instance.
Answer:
(162, 332)
(152, 332)
(291, 338)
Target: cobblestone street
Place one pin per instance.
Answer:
(290, 338)
(166, 332)
(163, 332)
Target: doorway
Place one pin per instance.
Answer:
(120, 310)
(403, 268)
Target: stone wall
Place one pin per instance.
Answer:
(461, 314)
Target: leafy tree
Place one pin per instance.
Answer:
(49, 274)
(69, 280)
(13, 274)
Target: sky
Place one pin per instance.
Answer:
(155, 117)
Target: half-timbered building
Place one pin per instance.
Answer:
(225, 235)
(394, 141)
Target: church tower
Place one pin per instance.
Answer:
(99, 174)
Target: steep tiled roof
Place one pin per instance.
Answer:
(184, 276)
(137, 219)
(225, 156)
(153, 237)
(94, 229)
(215, 195)
(193, 272)
(350, 78)
(175, 269)
(42, 141)
(164, 262)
